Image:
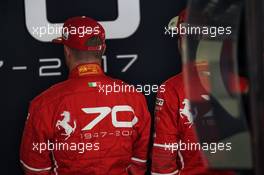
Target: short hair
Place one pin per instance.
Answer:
(85, 55)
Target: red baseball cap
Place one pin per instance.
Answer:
(77, 31)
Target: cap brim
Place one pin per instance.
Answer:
(58, 40)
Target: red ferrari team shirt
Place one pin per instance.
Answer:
(76, 128)
(174, 119)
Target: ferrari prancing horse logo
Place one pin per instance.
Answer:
(65, 124)
(186, 112)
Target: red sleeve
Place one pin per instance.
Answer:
(34, 160)
(165, 160)
(141, 144)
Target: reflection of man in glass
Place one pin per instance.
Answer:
(176, 149)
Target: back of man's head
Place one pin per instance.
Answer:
(80, 55)
(83, 39)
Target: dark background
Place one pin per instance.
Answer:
(157, 58)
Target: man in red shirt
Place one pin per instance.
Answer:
(174, 119)
(74, 128)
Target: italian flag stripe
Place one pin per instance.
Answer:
(92, 84)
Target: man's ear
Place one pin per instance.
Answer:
(68, 56)
(66, 51)
(104, 50)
